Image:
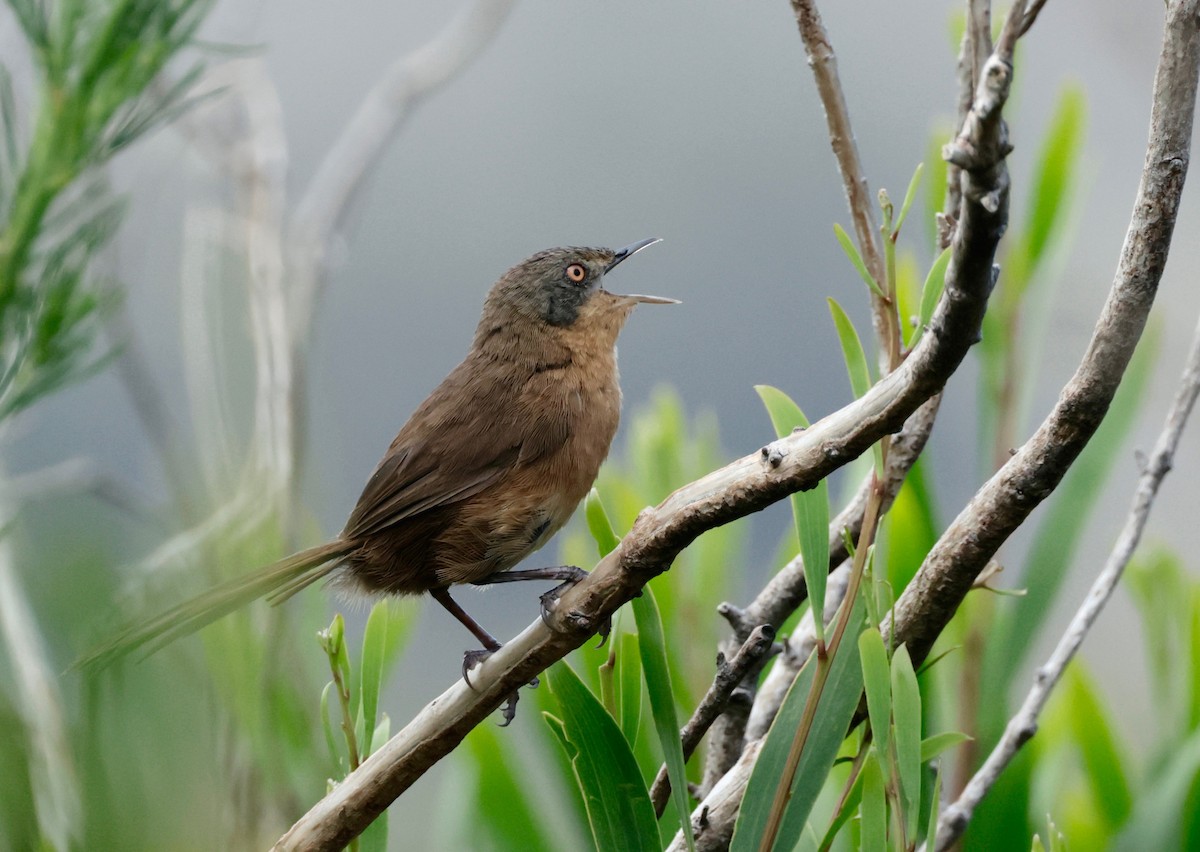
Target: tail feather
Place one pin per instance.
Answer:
(291, 573)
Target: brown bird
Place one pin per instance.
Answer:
(485, 471)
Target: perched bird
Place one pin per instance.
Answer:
(486, 469)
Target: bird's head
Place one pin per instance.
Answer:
(564, 288)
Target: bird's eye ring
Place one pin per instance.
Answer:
(576, 272)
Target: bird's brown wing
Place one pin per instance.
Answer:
(414, 479)
(461, 440)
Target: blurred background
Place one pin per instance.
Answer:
(585, 124)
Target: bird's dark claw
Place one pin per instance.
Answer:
(550, 599)
(470, 660)
(509, 709)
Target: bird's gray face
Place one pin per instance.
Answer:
(557, 283)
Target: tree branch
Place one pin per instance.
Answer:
(729, 676)
(823, 62)
(999, 507)
(1023, 725)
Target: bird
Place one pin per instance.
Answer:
(484, 472)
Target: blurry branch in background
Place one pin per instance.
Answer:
(37, 696)
(286, 249)
(240, 131)
(383, 111)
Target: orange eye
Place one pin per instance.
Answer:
(576, 272)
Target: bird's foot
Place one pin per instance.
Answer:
(508, 710)
(550, 601)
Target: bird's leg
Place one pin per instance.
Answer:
(569, 574)
(473, 658)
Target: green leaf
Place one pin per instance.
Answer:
(335, 757)
(653, 647)
(852, 350)
(1054, 173)
(874, 806)
(935, 180)
(856, 259)
(935, 801)
(809, 508)
(618, 804)
(909, 196)
(501, 810)
(878, 684)
(849, 808)
(599, 524)
(835, 709)
(629, 693)
(1098, 747)
(385, 632)
(931, 292)
(906, 711)
(933, 746)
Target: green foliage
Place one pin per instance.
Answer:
(617, 802)
(810, 509)
(838, 698)
(852, 350)
(97, 62)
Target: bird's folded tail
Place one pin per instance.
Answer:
(288, 575)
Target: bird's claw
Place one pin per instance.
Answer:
(509, 709)
(471, 659)
(549, 601)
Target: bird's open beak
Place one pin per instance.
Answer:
(629, 251)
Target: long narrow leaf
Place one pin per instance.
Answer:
(877, 681)
(653, 647)
(909, 196)
(931, 291)
(852, 350)
(617, 802)
(836, 707)
(810, 508)
(874, 807)
(906, 712)
(856, 260)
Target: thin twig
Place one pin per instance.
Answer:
(823, 62)
(729, 675)
(1031, 16)
(1023, 724)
